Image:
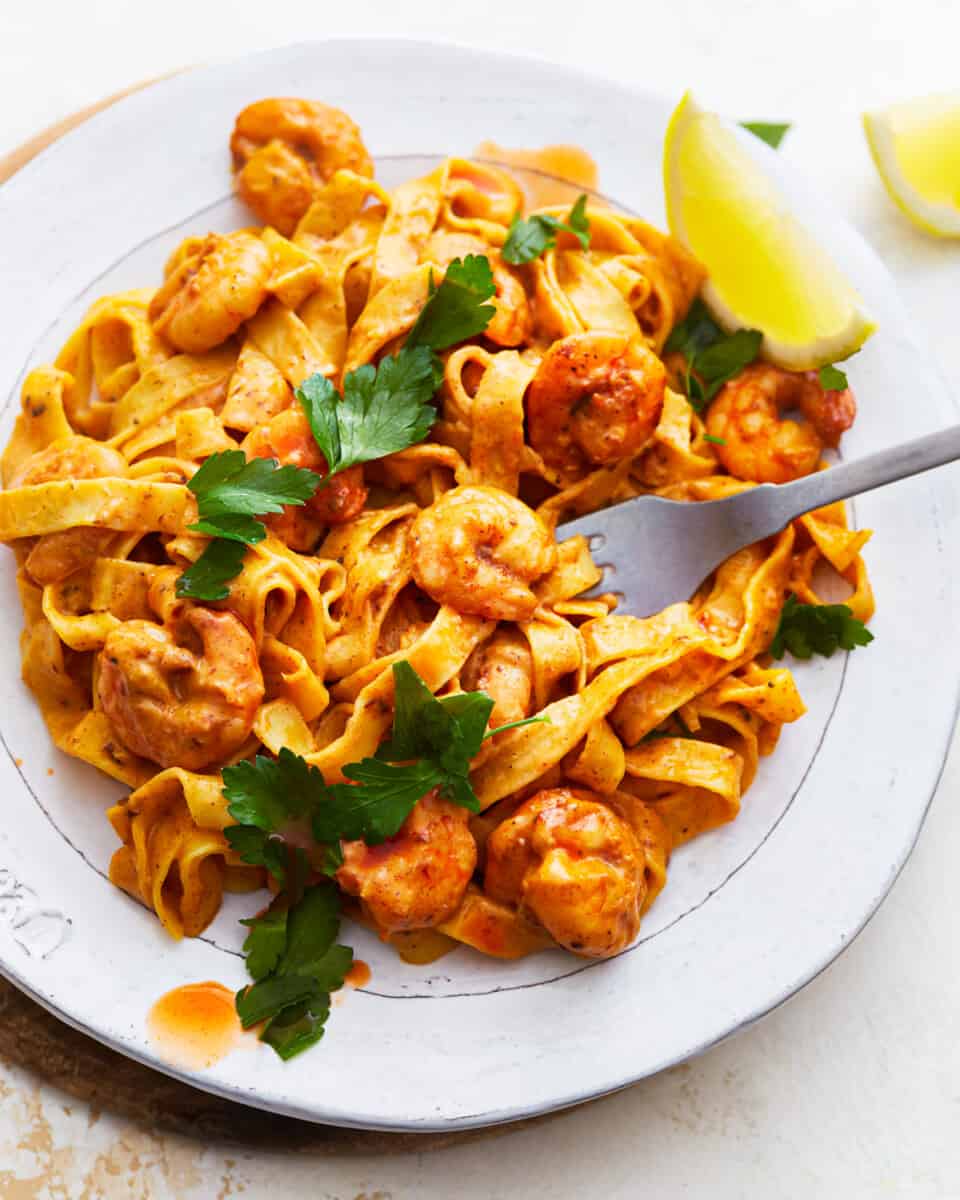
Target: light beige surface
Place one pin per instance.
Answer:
(853, 1089)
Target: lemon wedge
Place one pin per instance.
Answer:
(916, 146)
(765, 270)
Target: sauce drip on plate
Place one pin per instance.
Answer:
(566, 162)
(195, 1025)
(359, 974)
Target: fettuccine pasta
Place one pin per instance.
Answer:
(442, 555)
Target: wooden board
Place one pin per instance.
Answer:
(32, 1038)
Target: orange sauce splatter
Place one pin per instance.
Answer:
(359, 974)
(195, 1025)
(18, 762)
(566, 162)
(49, 770)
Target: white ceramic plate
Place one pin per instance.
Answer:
(752, 912)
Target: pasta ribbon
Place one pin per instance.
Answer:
(174, 855)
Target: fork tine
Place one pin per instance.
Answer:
(654, 552)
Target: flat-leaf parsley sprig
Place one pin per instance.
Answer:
(456, 308)
(284, 803)
(273, 800)
(383, 409)
(431, 746)
(295, 962)
(529, 237)
(231, 493)
(712, 356)
(808, 629)
(432, 743)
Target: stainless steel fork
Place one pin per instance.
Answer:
(655, 552)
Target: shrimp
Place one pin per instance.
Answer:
(596, 398)
(510, 324)
(479, 550)
(287, 438)
(55, 556)
(212, 291)
(755, 444)
(284, 150)
(416, 879)
(568, 861)
(181, 696)
(72, 457)
(503, 668)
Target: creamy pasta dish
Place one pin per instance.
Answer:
(286, 525)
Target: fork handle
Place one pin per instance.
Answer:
(864, 474)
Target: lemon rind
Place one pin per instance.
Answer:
(808, 356)
(939, 219)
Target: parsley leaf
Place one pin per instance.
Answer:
(295, 963)
(298, 1028)
(456, 310)
(272, 797)
(727, 358)
(266, 941)
(377, 803)
(228, 486)
(270, 996)
(713, 357)
(234, 527)
(771, 132)
(426, 724)
(256, 847)
(383, 409)
(528, 238)
(696, 332)
(231, 492)
(206, 579)
(268, 793)
(832, 379)
(312, 927)
(808, 629)
(578, 223)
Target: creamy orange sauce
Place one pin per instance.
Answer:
(359, 974)
(195, 1025)
(567, 162)
(421, 946)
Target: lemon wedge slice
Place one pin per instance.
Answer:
(765, 270)
(916, 146)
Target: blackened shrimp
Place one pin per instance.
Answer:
(416, 879)
(596, 399)
(182, 696)
(754, 441)
(572, 864)
(479, 550)
(284, 150)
